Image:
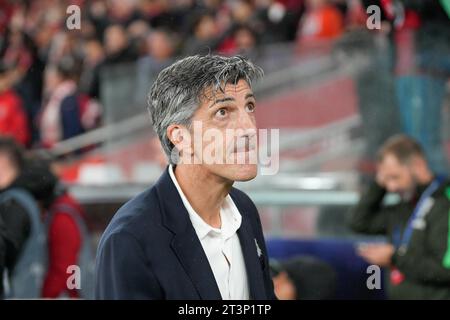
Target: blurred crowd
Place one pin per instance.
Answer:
(50, 74)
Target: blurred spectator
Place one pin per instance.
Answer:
(207, 36)
(244, 41)
(303, 278)
(417, 226)
(204, 35)
(60, 118)
(13, 119)
(118, 50)
(166, 14)
(117, 46)
(93, 57)
(321, 21)
(67, 238)
(160, 46)
(137, 32)
(123, 12)
(21, 244)
(278, 21)
(242, 11)
(26, 76)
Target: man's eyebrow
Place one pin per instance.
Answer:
(226, 99)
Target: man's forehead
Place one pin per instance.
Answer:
(392, 165)
(230, 89)
(390, 159)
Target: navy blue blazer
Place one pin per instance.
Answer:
(150, 250)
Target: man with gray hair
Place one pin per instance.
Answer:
(192, 235)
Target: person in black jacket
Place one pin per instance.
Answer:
(14, 219)
(417, 226)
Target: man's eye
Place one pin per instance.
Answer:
(221, 113)
(250, 107)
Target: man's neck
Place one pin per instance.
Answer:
(204, 191)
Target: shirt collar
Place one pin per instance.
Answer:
(229, 214)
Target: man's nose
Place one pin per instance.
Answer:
(246, 121)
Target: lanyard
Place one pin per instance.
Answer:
(403, 241)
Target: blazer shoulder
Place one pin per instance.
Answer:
(139, 216)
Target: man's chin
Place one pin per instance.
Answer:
(244, 172)
(406, 195)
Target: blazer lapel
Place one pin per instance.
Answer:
(191, 255)
(185, 243)
(253, 263)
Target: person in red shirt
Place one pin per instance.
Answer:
(13, 119)
(64, 240)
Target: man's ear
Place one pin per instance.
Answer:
(180, 138)
(175, 134)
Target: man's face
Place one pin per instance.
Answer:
(8, 171)
(227, 145)
(395, 176)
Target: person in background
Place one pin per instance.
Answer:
(303, 278)
(160, 46)
(25, 73)
(321, 21)
(207, 35)
(417, 226)
(278, 20)
(245, 41)
(93, 58)
(60, 117)
(18, 212)
(13, 119)
(117, 50)
(67, 238)
(117, 45)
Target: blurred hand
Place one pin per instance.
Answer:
(283, 287)
(379, 254)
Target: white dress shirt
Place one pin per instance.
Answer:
(221, 246)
